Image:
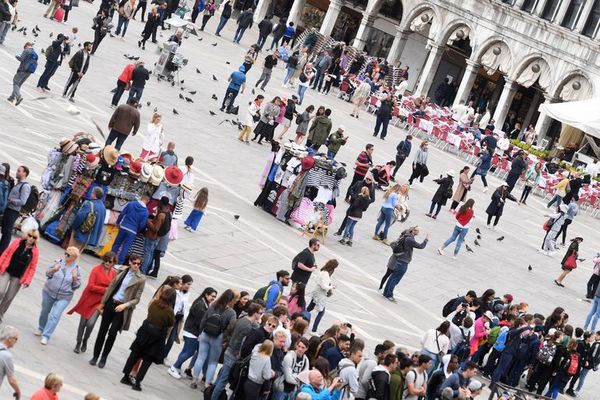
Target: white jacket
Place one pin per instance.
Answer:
(154, 138)
(252, 110)
(319, 296)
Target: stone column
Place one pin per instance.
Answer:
(585, 14)
(532, 109)
(466, 84)
(261, 10)
(296, 12)
(504, 103)
(330, 17)
(430, 69)
(397, 46)
(562, 10)
(539, 9)
(544, 121)
(360, 41)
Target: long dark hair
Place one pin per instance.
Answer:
(486, 295)
(300, 293)
(330, 266)
(223, 301)
(167, 298)
(207, 292)
(468, 205)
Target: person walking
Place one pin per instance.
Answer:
(209, 11)
(124, 121)
(265, 126)
(63, 278)
(116, 307)
(278, 31)
(322, 66)
(384, 115)
(403, 251)
(264, 30)
(288, 116)
(102, 24)
(9, 335)
(304, 79)
(55, 54)
(560, 190)
(570, 213)
(139, 76)
(386, 213)
(154, 139)
(225, 15)
(483, 165)
(362, 164)
(125, 14)
(319, 130)
(7, 12)
(402, 152)
(200, 203)
(17, 199)
(303, 120)
(216, 319)
(361, 94)
(142, 4)
(419, 166)
(594, 280)
(463, 218)
(100, 278)
(323, 290)
(268, 65)
(442, 194)
(496, 206)
(244, 22)
(532, 177)
(123, 83)
(28, 61)
(89, 221)
(149, 343)
(290, 68)
(552, 227)
(250, 58)
(355, 190)
(591, 321)
(237, 84)
(516, 169)
(259, 370)
(79, 64)
(289, 33)
(569, 261)
(464, 185)
(252, 115)
(18, 264)
(359, 205)
(150, 27)
(304, 264)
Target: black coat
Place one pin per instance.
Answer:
(516, 169)
(76, 62)
(358, 206)
(441, 194)
(357, 187)
(150, 342)
(245, 19)
(5, 15)
(498, 200)
(265, 27)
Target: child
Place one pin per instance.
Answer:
(192, 221)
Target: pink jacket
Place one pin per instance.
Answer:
(480, 333)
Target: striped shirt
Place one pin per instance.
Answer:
(363, 158)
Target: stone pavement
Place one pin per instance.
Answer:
(245, 253)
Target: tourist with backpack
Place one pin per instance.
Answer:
(417, 378)
(294, 363)
(21, 200)
(450, 364)
(28, 61)
(546, 363)
(215, 321)
(584, 344)
(552, 226)
(591, 362)
(156, 228)
(526, 356)
(271, 293)
(520, 330)
(460, 379)
(436, 343)
(89, 221)
(54, 56)
(460, 336)
(568, 367)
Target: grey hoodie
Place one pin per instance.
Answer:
(60, 285)
(349, 377)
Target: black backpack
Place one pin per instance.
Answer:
(166, 225)
(448, 308)
(398, 246)
(32, 201)
(463, 349)
(214, 324)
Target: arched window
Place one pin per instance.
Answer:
(591, 26)
(550, 9)
(573, 13)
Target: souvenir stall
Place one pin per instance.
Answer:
(300, 186)
(76, 166)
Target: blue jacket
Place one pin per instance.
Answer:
(134, 216)
(403, 148)
(455, 381)
(4, 190)
(321, 394)
(485, 165)
(273, 294)
(91, 237)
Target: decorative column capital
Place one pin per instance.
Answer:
(473, 65)
(368, 19)
(509, 83)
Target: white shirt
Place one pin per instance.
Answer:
(428, 341)
(252, 110)
(154, 138)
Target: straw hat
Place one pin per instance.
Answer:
(145, 173)
(158, 173)
(69, 147)
(110, 155)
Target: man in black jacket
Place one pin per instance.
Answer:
(258, 335)
(244, 22)
(139, 76)
(514, 339)
(355, 191)
(380, 378)
(79, 64)
(264, 29)
(384, 115)
(54, 56)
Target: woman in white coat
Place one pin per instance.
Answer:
(323, 290)
(154, 139)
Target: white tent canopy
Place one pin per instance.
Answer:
(583, 114)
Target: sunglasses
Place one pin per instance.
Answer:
(69, 255)
(272, 325)
(29, 235)
(135, 263)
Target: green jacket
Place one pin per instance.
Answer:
(335, 141)
(397, 385)
(319, 130)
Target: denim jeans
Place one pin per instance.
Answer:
(123, 22)
(288, 75)
(261, 41)
(385, 216)
(330, 155)
(228, 363)
(395, 278)
(118, 92)
(50, 314)
(349, 230)
(301, 90)
(319, 316)
(556, 199)
(4, 28)
(122, 243)
(149, 247)
(459, 235)
(119, 138)
(239, 32)
(209, 350)
(190, 346)
(135, 91)
(230, 95)
(49, 70)
(18, 81)
(382, 123)
(593, 315)
(582, 375)
(222, 23)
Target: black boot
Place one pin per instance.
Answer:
(84, 345)
(126, 381)
(137, 387)
(77, 349)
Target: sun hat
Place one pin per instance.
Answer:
(173, 175)
(451, 173)
(69, 147)
(135, 168)
(110, 155)
(158, 173)
(92, 160)
(145, 173)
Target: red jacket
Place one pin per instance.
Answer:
(93, 292)
(126, 73)
(44, 394)
(30, 271)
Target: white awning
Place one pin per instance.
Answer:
(583, 114)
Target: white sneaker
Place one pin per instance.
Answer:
(174, 373)
(440, 251)
(44, 341)
(485, 189)
(38, 332)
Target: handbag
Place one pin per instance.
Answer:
(571, 262)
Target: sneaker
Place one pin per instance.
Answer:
(19, 100)
(47, 88)
(434, 216)
(440, 251)
(349, 243)
(342, 241)
(454, 257)
(428, 215)
(376, 237)
(44, 340)
(392, 299)
(188, 373)
(38, 332)
(174, 373)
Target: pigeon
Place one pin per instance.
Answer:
(214, 78)
(214, 97)
(155, 109)
(469, 250)
(581, 259)
(181, 96)
(479, 237)
(148, 103)
(530, 268)
(253, 91)
(189, 100)
(214, 44)
(236, 216)
(78, 44)
(227, 62)
(37, 28)
(198, 71)
(212, 113)
(175, 112)
(200, 39)
(477, 243)
(182, 81)
(192, 92)
(173, 83)
(21, 29)
(51, 34)
(24, 33)
(501, 238)
(35, 34)
(477, 230)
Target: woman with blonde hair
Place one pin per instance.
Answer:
(386, 214)
(323, 290)
(359, 205)
(154, 139)
(17, 267)
(193, 220)
(63, 278)
(259, 370)
(52, 385)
